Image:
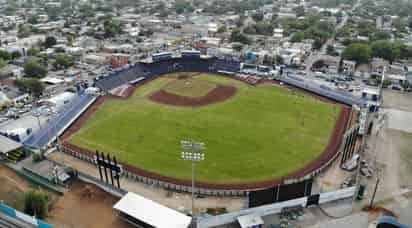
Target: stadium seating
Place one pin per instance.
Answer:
(61, 121)
(228, 66)
(164, 66)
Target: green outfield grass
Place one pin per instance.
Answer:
(189, 87)
(260, 133)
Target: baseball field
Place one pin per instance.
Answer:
(255, 134)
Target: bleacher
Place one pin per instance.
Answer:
(340, 96)
(61, 122)
(166, 64)
(191, 62)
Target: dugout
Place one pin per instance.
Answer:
(145, 213)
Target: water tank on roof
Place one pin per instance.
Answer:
(251, 56)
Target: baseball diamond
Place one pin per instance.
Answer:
(248, 129)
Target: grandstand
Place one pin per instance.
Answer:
(163, 65)
(191, 61)
(61, 122)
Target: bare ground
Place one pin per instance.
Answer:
(218, 94)
(85, 206)
(12, 188)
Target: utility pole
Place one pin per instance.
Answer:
(374, 192)
(193, 156)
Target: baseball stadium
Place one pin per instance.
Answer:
(258, 132)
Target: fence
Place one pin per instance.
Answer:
(155, 182)
(11, 212)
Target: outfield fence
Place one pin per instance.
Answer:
(332, 151)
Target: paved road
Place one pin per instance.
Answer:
(315, 55)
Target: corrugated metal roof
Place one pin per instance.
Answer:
(8, 145)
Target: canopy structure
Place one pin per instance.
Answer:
(7, 145)
(151, 213)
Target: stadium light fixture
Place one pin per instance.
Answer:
(193, 156)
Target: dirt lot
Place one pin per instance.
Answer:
(85, 206)
(12, 188)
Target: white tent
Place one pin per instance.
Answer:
(150, 212)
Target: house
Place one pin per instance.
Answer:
(278, 33)
(377, 66)
(331, 63)
(396, 73)
(11, 70)
(363, 71)
(348, 67)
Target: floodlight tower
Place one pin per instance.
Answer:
(193, 156)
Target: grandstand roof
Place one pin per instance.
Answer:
(151, 213)
(7, 145)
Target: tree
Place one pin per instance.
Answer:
(33, 52)
(33, 69)
(299, 11)
(260, 28)
(36, 204)
(221, 29)
(361, 53)
(237, 36)
(5, 55)
(15, 55)
(257, 17)
(111, 28)
(386, 49)
(380, 35)
(237, 47)
(2, 63)
(279, 60)
(63, 61)
(297, 37)
(50, 42)
(182, 6)
(318, 43)
(23, 31)
(330, 50)
(31, 85)
(32, 20)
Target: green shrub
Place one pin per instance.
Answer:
(36, 204)
(37, 157)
